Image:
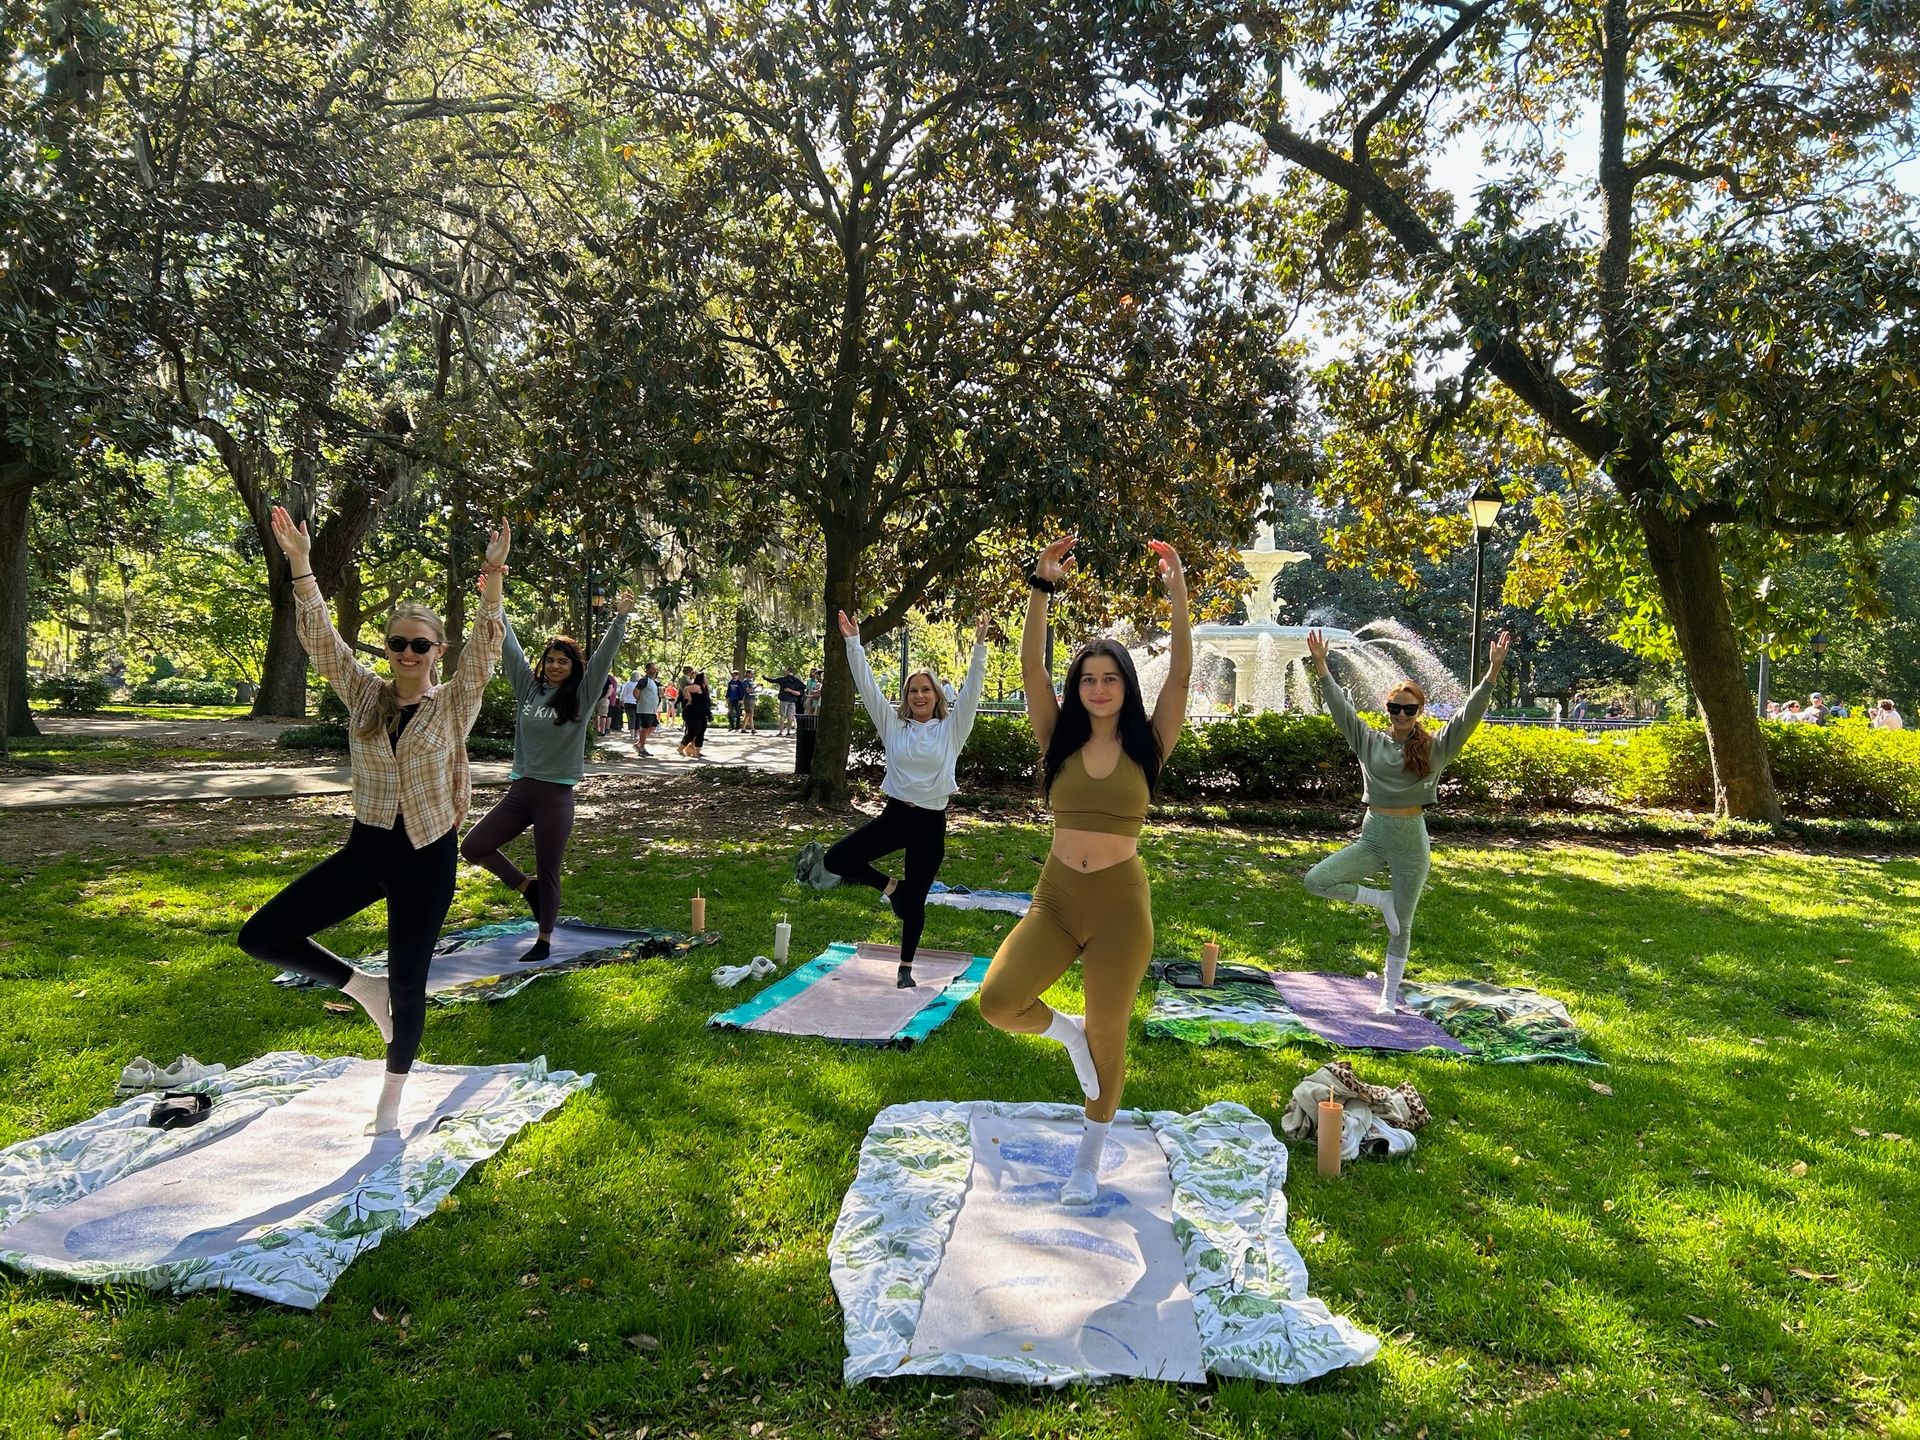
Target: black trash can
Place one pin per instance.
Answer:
(806, 731)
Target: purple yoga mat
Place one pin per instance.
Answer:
(1339, 1009)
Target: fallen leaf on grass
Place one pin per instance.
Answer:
(1891, 1135)
(1703, 1323)
(1798, 1168)
(1812, 1274)
(1598, 1088)
(334, 1007)
(1862, 1132)
(643, 1342)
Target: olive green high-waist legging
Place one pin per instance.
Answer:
(1394, 843)
(1104, 918)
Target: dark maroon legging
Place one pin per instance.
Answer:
(548, 808)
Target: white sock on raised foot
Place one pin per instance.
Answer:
(386, 1115)
(1381, 900)
(1071, 1031)
(1390, 984)
(1084, 1183)
(370, 992)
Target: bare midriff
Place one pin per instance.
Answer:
(1397, 809)
(1090, 850)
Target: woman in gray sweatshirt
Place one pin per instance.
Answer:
(1400, 769)
(556, 702)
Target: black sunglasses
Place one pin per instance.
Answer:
(1395, 708)
(419, 644)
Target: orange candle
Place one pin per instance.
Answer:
(1332, 1114)
(1209, 962)
(699, 913)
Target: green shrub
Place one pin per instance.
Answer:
(1529, 767)
(766, 710)
(75, 692)
(328, 735)
(331, 707)
(498, 709)
(178, 690)
(1666, 767)
(1000, 753)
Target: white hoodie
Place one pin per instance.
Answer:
(921, 754)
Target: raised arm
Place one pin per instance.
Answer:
(1052, 567)
(513, 664)
(886, 720)
(600, 663)
(967, 705)
(482, 650)
(1338, 705)
(1452, 737)
(331, 655)
(1170, 710)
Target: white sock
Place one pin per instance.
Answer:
(1390, 984)
(1084, 1183)
(1381, 900)
(386, 1115)
(1071, 1031)
(370, 992)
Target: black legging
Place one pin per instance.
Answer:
(696, 718)
(375, 863)
(923, 835)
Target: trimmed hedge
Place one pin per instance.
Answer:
(497, 708)
(1843, 771)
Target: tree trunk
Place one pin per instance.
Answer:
(16, 500)
(742, 630)
(827, 777)
(456, 613)
(1686, 563)
(283, 674)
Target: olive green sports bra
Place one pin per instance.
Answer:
(1116, 804)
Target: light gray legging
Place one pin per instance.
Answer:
(1394, 843)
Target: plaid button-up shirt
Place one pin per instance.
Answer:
(425, 779)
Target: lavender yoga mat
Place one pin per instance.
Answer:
(1339, 1009)
(858, 1000)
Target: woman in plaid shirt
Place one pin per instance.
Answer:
(411, 788)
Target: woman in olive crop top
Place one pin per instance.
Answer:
(1400, 770)
(1103, 755)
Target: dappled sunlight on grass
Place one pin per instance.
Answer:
(1553, 1260)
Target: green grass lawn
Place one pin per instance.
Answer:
(1708, 1250)
(86, 754)
(177, 712)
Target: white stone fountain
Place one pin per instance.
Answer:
(1260, 651)
(1269, 660)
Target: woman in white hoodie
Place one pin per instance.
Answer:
(923, 740)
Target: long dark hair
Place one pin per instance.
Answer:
(1075, 725)
(565, 703)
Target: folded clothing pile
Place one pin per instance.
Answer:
(1373, 1117)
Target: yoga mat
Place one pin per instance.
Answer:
(953, 1256)
(1339, 1008)
(483, 964)
(1100, 1287)
(848, 993)
(276, 1192)
(959, 897)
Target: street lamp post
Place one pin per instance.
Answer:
(1484, 506)
(1819, 647)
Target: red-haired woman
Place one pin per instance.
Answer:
(1400, 770)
